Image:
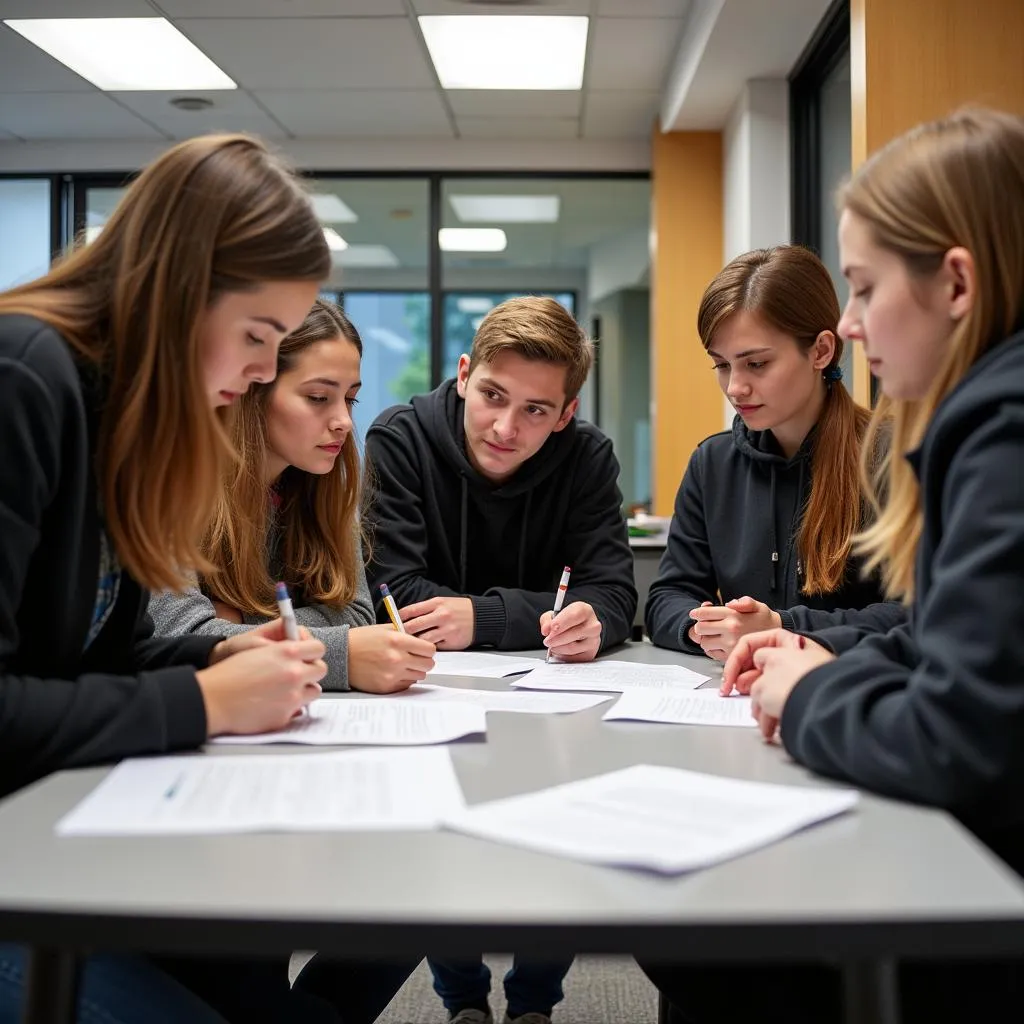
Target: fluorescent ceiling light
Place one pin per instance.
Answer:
(506, 209)
(472, 239)
(507, 51)
(332, 210)
(473, 304)
(334, 241)
(367, 256)
(126, 54)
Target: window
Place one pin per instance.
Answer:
(25, 229)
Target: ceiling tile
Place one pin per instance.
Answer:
(73, 9)
(358, 114)
(49, 115)
(7, 136)
(620, 115)
(514, 103)
(518, 127)
(460, 7)
(642, 8)
(233, 111)
(631, 53)
(25, 68)
(315, 53)
(281, 8)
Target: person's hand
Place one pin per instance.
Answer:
(226, 612)
(717, 628)
(259, 636)
(767, 666)
(446, 622)
(382, 660)
(261, 687)
(574, 634)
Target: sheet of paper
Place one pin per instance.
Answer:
(609, 676)
(334, 721)
(473, 663)
(523, 701)
(335, 791)
(698, 707)
(664, 819)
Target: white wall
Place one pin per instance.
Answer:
(620, 262)
(756, 172)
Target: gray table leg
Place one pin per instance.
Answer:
(871, 992)
(51, 987)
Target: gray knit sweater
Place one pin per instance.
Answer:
(192, 612)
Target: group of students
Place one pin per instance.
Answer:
(175, 406)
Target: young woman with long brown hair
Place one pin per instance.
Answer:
(766, 513)
(288, 511)
(931, 237)
(116, 371)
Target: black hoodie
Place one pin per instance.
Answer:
(933, 711)
(439, 528)
(733, 534)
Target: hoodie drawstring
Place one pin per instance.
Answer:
(772, 541)
(798, 520)
(522, 542)
(463, 530)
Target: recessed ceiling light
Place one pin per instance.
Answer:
(127, 54)
(472, 239)
(473, 304)
(330, 209)
(367, 256)
(334, 241)
(507, 51)
(506, 209)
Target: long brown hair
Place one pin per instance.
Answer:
(954, 182)
(789, 289)
(214, 214)
(319, 546)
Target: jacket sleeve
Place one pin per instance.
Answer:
(879, 617)
(933, 711)
(49, 724)
(686, 576)
(398, 524)
(596, 545)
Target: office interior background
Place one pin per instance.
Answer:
(615, 167)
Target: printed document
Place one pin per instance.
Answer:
(472, 663)
(521, 701)
(699, 707)
(609, 676)
(664, 819)
(330, 791)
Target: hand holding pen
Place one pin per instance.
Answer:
(572, 633)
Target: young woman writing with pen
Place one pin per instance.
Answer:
(288, 511)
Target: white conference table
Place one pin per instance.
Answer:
(885, 881)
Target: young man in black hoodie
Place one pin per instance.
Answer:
(484, 490)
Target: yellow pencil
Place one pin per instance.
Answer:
(389, 604)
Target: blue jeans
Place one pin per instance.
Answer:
(530, 987)
(114, 989)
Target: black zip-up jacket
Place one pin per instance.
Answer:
(933, 710)
(733, 534)
(62, 706)
(441, 529)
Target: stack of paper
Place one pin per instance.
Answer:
(520, 701)
(473, 663)
(338, 791)
(665, 819)
(699, 707)
(609, 676)
(337, 721)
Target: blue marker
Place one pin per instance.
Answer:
(284, 607)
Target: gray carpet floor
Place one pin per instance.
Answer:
(598, 990)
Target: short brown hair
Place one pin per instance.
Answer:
(539, 328)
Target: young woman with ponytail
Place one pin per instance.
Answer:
(766, 513)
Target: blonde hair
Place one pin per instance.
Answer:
(958, 181)
(538, 328)
(320, 550)
(789, 289)
(213, 215)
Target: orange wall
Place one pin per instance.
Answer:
(915, 60)
(686, 219)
